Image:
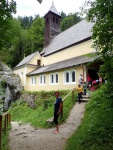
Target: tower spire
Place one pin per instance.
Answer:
(52, 24)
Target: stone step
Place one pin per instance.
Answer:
(50, 121)
(85, 98)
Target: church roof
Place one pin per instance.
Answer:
(63, 64)
(53, 10)
(27, 59)
(72, 36)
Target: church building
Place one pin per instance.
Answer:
(64, 57)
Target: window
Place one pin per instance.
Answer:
(73, 76)
(42, 79)
(33, 80)
(53, 19)
(56, 20)
(54, 78)
(69, 77)
(47, 19)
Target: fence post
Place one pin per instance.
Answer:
(7, 116)
(5, 123)
(9, 119)
(0, 132)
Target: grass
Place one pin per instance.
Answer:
(5, 136)
(37, 117)
(5, 139)
(96, 130)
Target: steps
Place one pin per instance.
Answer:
(85, 98)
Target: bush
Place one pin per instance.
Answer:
(96, 130)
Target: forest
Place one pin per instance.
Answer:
(22, 36)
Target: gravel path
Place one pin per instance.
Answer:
(26, 137)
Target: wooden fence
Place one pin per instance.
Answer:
(5, 120)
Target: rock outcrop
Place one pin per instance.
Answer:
(9, 86)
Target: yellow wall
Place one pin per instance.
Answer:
(74, 51)
(34, 59)
(30, 68)
(59, 86)
(22, 71)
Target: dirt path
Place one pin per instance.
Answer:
(26, 137)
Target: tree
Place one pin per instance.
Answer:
(36, 34)
(6, 10)
(40, 1)
(69, 21)
(63, 15)
(12, 47)
(101, 13)
(25, 21)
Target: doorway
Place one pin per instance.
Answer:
(93, 74)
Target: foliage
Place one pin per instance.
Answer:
(69, 21)
(5, 139)
(40, 1)
(21, 112)
(4, 83)
(95, 132)
(63, 15)
(22, 36)
(36, 34)
(100, 14)
(6, 10)
(5, 135)
(25, 21)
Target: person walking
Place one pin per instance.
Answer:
(80, 79)
(84, 87)
(57, 109)
(79, 89)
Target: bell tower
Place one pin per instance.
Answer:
(52, 25)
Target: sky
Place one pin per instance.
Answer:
(33, 7)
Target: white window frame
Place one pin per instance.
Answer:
(70, 77)
(42, 80)
(54, 78)
(33, 80)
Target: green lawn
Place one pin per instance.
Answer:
(21, 112)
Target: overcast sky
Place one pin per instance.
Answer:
(32, 7)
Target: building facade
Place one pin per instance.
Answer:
(64, 57)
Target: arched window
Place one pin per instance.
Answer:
(67, 77)
(56, 78)
(52, 78)
(73, 76)
(70, 77)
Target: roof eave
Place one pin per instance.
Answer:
(61, 68)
